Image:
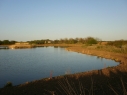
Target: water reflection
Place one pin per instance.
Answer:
(55, 46)
(101, 58)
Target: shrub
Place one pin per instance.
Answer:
(91, 40)
(8, 84)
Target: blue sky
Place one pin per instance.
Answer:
(24, 20)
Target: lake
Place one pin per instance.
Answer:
(23, 65)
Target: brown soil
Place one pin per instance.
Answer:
(96, 82)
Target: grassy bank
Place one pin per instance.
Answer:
(107, 48)
(107, 81)
(59, 45)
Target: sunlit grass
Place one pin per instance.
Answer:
(107, 48)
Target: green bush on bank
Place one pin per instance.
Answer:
(91, 40)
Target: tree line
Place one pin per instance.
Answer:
(7, 42)
(88, 40)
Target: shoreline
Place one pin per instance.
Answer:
(101, 77)
(118, 57)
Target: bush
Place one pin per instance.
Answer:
(91, 40)
(8, 84)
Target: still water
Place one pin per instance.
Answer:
(23, 65)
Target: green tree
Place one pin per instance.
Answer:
(6, 42)
(91, 40)
(0, 42)
(56, 41)
(12, 42)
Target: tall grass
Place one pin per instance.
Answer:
(124, 92)
(69, 87)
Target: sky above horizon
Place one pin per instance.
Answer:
(25, 20)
